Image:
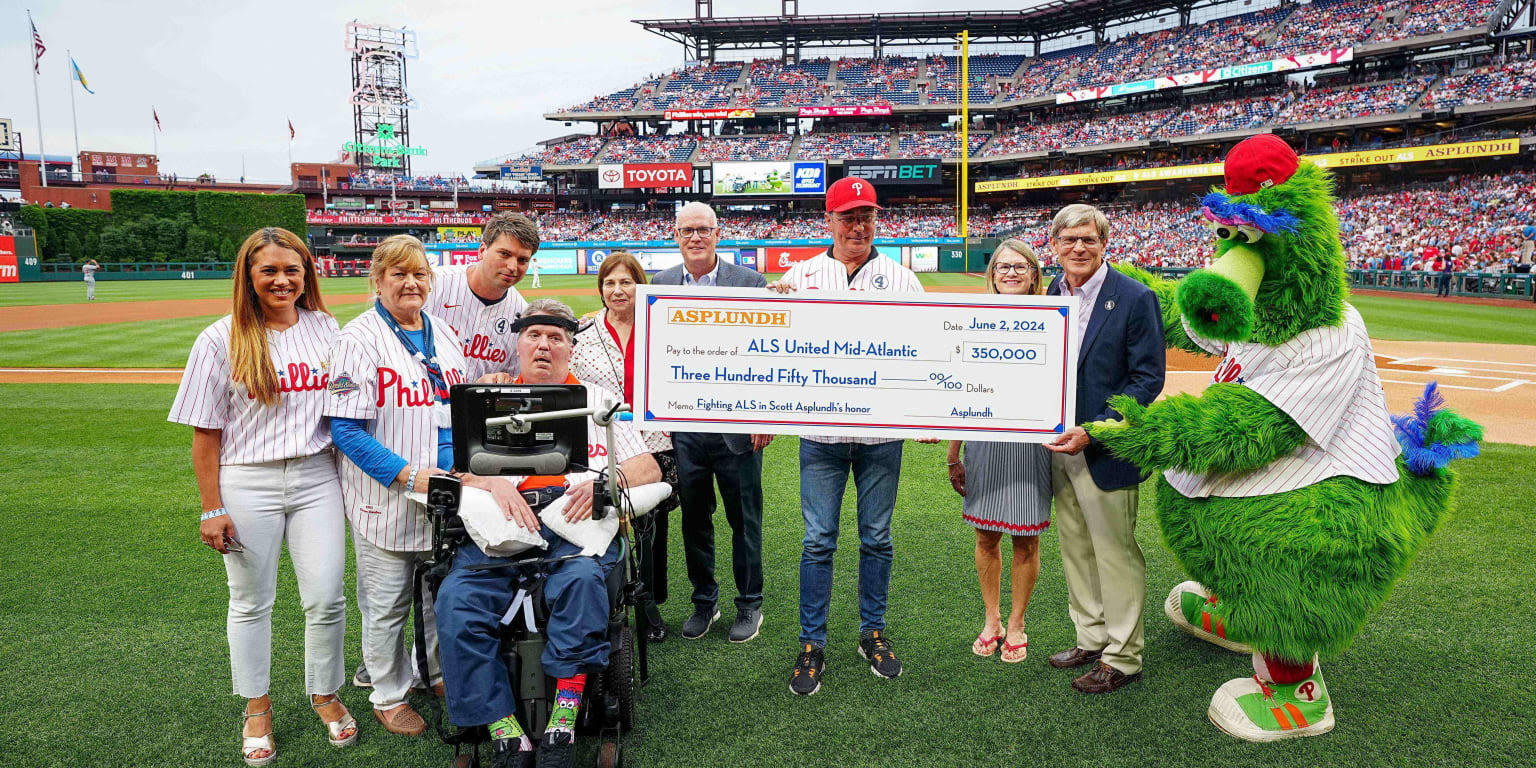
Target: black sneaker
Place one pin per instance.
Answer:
(361, 679)
(557, 750)
(507, 753)
(806, 677)
(700, 622)
(877, 650)
(746, 626)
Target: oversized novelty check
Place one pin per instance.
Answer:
(855, 364)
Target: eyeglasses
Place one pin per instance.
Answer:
(1069, 242)
(1010, 269)
(687, 232)
(853, 219)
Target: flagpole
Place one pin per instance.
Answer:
(73, 118)
(37, 102)
(155, 134)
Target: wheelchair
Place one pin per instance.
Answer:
(609, 699)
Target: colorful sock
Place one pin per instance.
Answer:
(1286, 672)
(509, 728)
(567, 702)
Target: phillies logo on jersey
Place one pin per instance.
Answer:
(479, 348)
(1230, 370)
(299, 377)
(595, 450)
(407, 393)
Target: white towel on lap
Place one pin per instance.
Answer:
(594, 536)
(489, 527)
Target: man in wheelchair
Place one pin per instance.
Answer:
(470, 603)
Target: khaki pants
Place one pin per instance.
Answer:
(1106, 573)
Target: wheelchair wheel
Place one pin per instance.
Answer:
(608, 755)
(619, 678)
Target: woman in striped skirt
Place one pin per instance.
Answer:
(1007, 490)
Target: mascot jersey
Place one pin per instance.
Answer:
(1325, 379)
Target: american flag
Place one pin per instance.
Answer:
(157, 119)
(291, 134)
(37, 49)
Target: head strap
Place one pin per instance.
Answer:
(555, 320)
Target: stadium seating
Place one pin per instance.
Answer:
(841, 146)
(1326, 25)
(1511, 81)
(1430, 17)
(1220, 116)
(939, 143)
(771, 83)
(1361, 100)
(649, 149)
(575, 152)
(718, 148)
(1233, 40)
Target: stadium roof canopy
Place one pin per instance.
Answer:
(921, 28)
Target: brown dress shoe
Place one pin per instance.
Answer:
(1104, 679)
(402, 720)
(1074, 657)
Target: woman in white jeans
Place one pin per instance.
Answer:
(253, 392)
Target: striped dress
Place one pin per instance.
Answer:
(1007, 487)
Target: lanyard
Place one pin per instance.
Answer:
(428, 357)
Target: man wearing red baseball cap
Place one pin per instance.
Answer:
(851, 264)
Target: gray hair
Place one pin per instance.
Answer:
(1078, 214)
(554, 308)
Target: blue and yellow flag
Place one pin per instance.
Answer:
(79, 75)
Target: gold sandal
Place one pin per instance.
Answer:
(342, 731)
(250, 745)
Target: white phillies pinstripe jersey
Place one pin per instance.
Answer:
(253, 433)
(484, 330)
(374, 377)
(824, 273)
(1326, 380)
(627, 442)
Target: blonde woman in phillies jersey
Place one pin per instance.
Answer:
(388, 403)
(253, 392)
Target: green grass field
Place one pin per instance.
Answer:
(164, 343)
(112, 633)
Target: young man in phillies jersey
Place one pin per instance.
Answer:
(479, 301)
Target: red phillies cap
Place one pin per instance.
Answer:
(851, 192)
(1258, 162)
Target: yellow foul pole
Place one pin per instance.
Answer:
(965, 131)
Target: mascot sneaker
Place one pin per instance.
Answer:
(1255, 709)
(1189, 607)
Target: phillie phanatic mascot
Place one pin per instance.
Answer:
(1287, 491)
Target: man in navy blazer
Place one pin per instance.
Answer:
(1120, 351)
(735, 462)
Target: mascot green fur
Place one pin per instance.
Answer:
(1286, 492)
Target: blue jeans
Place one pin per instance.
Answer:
(470, 605)
(824, 469)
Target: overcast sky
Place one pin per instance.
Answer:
(226, 77)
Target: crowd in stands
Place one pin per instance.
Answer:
(370, 178)
(574, 152)
(1219, 116)
(649, 149)
(714, 149)
(1363, 100)
(1485, 220)
(1497, 81)
(1429, 17)
(1255, 36)
(939, 143)
(841, 146)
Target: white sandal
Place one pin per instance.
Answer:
(252, 744)
(335, 728)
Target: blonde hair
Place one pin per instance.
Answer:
(1021, 248)
(398, 251)
(250, 361)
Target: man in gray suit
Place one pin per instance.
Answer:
(735, 462)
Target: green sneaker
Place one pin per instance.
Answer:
(1254, 709)
(1191, 608)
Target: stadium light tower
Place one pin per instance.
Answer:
(380, 102)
